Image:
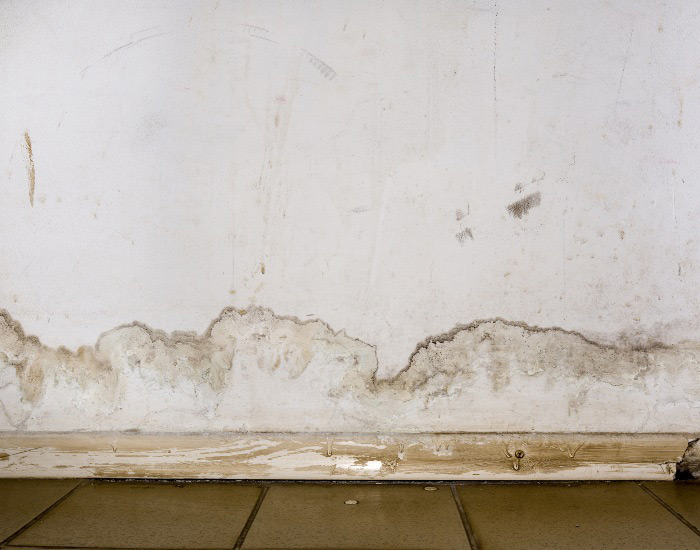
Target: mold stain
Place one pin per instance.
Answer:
(520, 208)
(30, 166)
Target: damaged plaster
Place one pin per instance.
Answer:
(256, 371)
(688, 467)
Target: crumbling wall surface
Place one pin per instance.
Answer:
(253, 370)
(425, 216)
(688, 467)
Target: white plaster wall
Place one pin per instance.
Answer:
(311, 158)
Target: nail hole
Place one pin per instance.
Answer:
(430, 488)
(350, 502)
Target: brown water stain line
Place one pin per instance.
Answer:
(30, 166)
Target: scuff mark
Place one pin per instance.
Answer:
(688, 467)
(520, 208)
(463, 235)
(624, 66)
(30, 166)
(495, 89)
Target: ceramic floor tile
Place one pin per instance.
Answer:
(21, 500)
(142, 515)
(683, 497)
(384, 516)
(554, 516)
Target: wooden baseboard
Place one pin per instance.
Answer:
(337, 456)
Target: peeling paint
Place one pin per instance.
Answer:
(254, 370)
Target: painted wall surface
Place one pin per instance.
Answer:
(421, 216)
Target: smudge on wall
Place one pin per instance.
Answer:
(31, 173)
(256, 371)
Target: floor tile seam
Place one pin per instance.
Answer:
(670, 509)
(251, 518)
(42, 514)
(463, 516)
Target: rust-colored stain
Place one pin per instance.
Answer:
(30, 166)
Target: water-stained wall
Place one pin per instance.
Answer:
(416, 217)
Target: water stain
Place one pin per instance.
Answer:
(242, 351)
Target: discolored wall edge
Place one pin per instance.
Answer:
(344, 456)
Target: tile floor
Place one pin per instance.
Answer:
(160, 515)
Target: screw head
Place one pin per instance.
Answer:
(519, 453)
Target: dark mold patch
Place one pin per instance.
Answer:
(520, 208)
(688, 467)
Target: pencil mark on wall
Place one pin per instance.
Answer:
(30, 166)
(624, 66)
(495, 94)
(133, 43)
(520, 208)
(322, 67)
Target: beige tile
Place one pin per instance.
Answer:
(137, 515)
(683, 497)
(558, 516)
(21, 500)
(385, 516)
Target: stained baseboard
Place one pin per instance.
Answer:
(338, 456)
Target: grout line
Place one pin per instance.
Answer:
(670, 509)
(465, 522)
(282, 481)
(42, 514)
(101, 548)
(251, 518)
